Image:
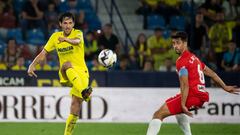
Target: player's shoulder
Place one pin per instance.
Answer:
(183, 59)
(77, 31)
(57, 33)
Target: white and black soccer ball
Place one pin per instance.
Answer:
(107, 58)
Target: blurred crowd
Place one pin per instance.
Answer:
(214, 36)
(213, 27)
(26, 25)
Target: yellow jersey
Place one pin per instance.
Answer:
(45, 67)
(68, 52)
(16, 68)
(3, 66)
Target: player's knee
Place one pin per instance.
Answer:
(162, 113)
(66, 65)
(158, 115)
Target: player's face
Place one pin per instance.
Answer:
(178, 45)
(67, 25)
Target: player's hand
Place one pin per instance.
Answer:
(31, 70)
(232, 89)
(186, 111)
(61, 39)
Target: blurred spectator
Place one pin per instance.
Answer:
(108, 40)
(168, 65)
(3, 66)
(133, 63)
(147, 7)
(19, 64)
(32, 17)
(96, 66)
(51, 15)
(230, 61)
(199, 36)
(8, 20)
(231, 9)
(219, 35)
(80, 23)
(43, 65)
(26, 52)
(236, 32)
(123, 63)
(72, 6)
(210, 9)
(148, 65)
(140, 51)
(12, 52)
(210, 59)
(3, 31)
(168, 8)
(91, 47)
(159, 47)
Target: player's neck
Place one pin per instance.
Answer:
(65, 34)
(184, 51)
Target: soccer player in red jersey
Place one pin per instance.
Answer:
(191, 73)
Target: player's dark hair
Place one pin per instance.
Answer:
(66, 14)
(182, 35)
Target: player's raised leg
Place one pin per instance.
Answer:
(68, 72)
(183, 123)
(79, 93)
(155, 123)
(73, 117)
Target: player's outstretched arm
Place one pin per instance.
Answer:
(73, 41)
(40, 57)
(231, 89)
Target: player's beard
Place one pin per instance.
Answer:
(67, 31)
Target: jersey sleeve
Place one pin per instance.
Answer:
(50, 44)
(203, 65)
(182, 67)
(180, 64)
(183, 72)
(79, 35)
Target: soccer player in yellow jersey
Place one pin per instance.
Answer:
(69, 45)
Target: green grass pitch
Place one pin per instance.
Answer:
(114, 129)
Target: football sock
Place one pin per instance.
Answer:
(154, 127)
(70, 124)
(183, 123)
(74, 78)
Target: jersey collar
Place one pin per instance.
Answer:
(186, 52)
(70, 32)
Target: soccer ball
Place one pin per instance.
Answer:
(107, 58)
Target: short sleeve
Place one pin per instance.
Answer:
(79, 35)
(50, 44)
(203, 65)
(183, 72)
